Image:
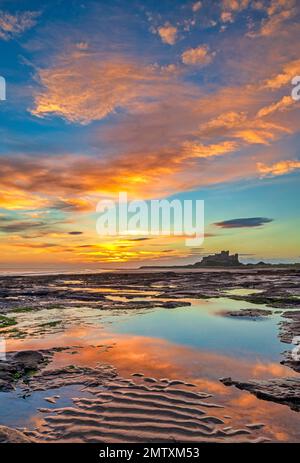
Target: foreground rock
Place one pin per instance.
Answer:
(280, 300)
(290, 334)
(282, 390)
(17, 366)
(249, 313)
(71, 375)
(278, 288)
(29, 359)
(12, 436)
(290, 327)
(292, 361)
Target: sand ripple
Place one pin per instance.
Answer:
(135, 411)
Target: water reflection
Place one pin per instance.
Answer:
(162, 359)
(195, 343)
(202, 326)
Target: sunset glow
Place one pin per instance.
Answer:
(161, 100)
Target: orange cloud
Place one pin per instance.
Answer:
(231, 7)
(196, 6)
(68, 91)
(226, 17)
(289, 70)
(235, 5)
(278, 12)
(285, 103)
(14, 198)
(199, 56)
(184, 140)
(168, 34)
(73, 184)
(279, 168)
(247, 129)
(194, 150)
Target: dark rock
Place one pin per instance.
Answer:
(289, 333)
(17, 366)
(12, 436)
(5, 386)
(291, 361)
(28, 359)
(249, 313)
(282, 390)
(227, 381)
(174, 304)
(290, 327)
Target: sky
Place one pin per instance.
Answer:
(162, 100)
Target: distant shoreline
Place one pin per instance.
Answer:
(149, 269)
(229, 267)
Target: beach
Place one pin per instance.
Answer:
(142, 356)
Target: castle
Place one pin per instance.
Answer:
(223, 259)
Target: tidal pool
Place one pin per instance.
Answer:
(196, 343)
(202, 326)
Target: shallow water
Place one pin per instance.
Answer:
(198, 344)
(17, 410)
(203, 327)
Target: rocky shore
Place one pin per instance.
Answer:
(142, 409)
(283, 390)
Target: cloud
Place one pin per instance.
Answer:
(279, 168)
(168, 33)
(194, 150)
(184, 140)
(196, 6)
(80, 180)
(285, 103)
(271, 25)
(140, 239)
(16, 226)
(18, 223)
(82, 45)
(277, 12)
(36, 245)
(14, 25)
(289, 70)
(248, 222)
(75, 233)
(232, 7)
(200, 56)
(71, 205)
(235, 5)
(15, 197)
(226, 17)
(113, 82)
(250, 130)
